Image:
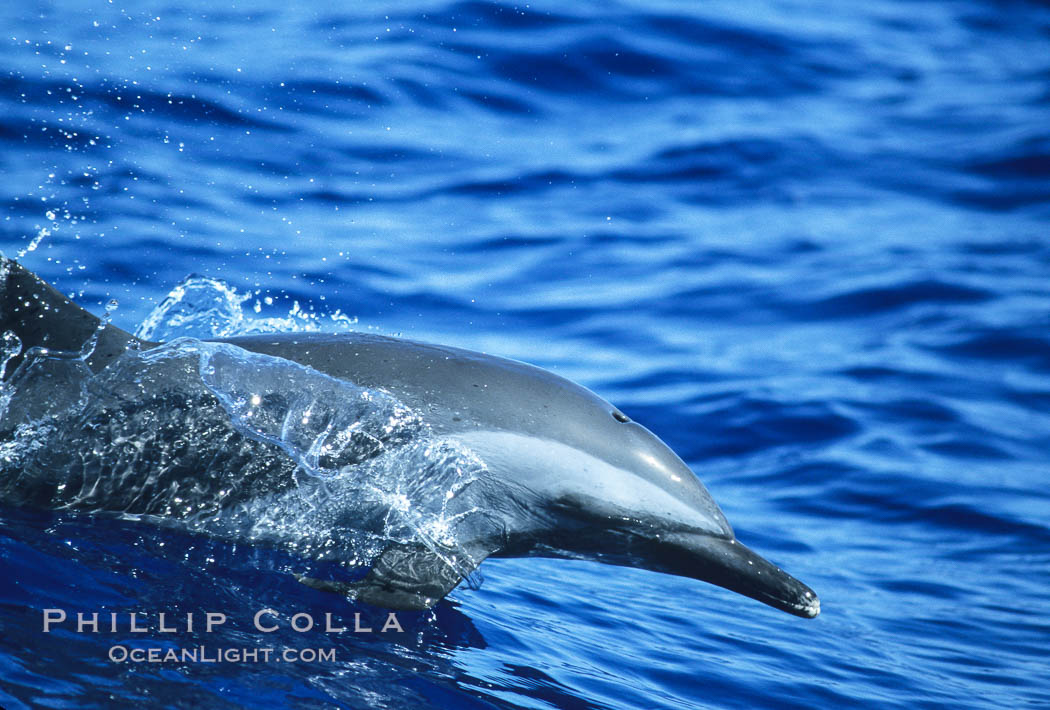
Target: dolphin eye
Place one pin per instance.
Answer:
(620, 416)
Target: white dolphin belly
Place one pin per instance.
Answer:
(559, 472)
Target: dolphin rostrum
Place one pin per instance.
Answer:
(557, 471)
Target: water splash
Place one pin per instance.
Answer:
(88, 348)
(211, 438)
(322, 423)
(366, 461)
(204, 307)
(199, 307)
(10, 348)
(34, 243)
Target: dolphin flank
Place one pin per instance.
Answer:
(557, 471)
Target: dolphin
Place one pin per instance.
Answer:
(567, 474)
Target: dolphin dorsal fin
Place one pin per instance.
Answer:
(42, 317)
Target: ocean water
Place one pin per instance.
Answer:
(807, 244)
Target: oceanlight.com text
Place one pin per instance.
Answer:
(205, 654)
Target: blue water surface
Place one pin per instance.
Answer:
(806, 243)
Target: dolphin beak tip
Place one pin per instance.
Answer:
(736, 567)
(728, 563)
(810, 608)
(798, 598)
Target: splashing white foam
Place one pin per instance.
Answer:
(203, 307)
